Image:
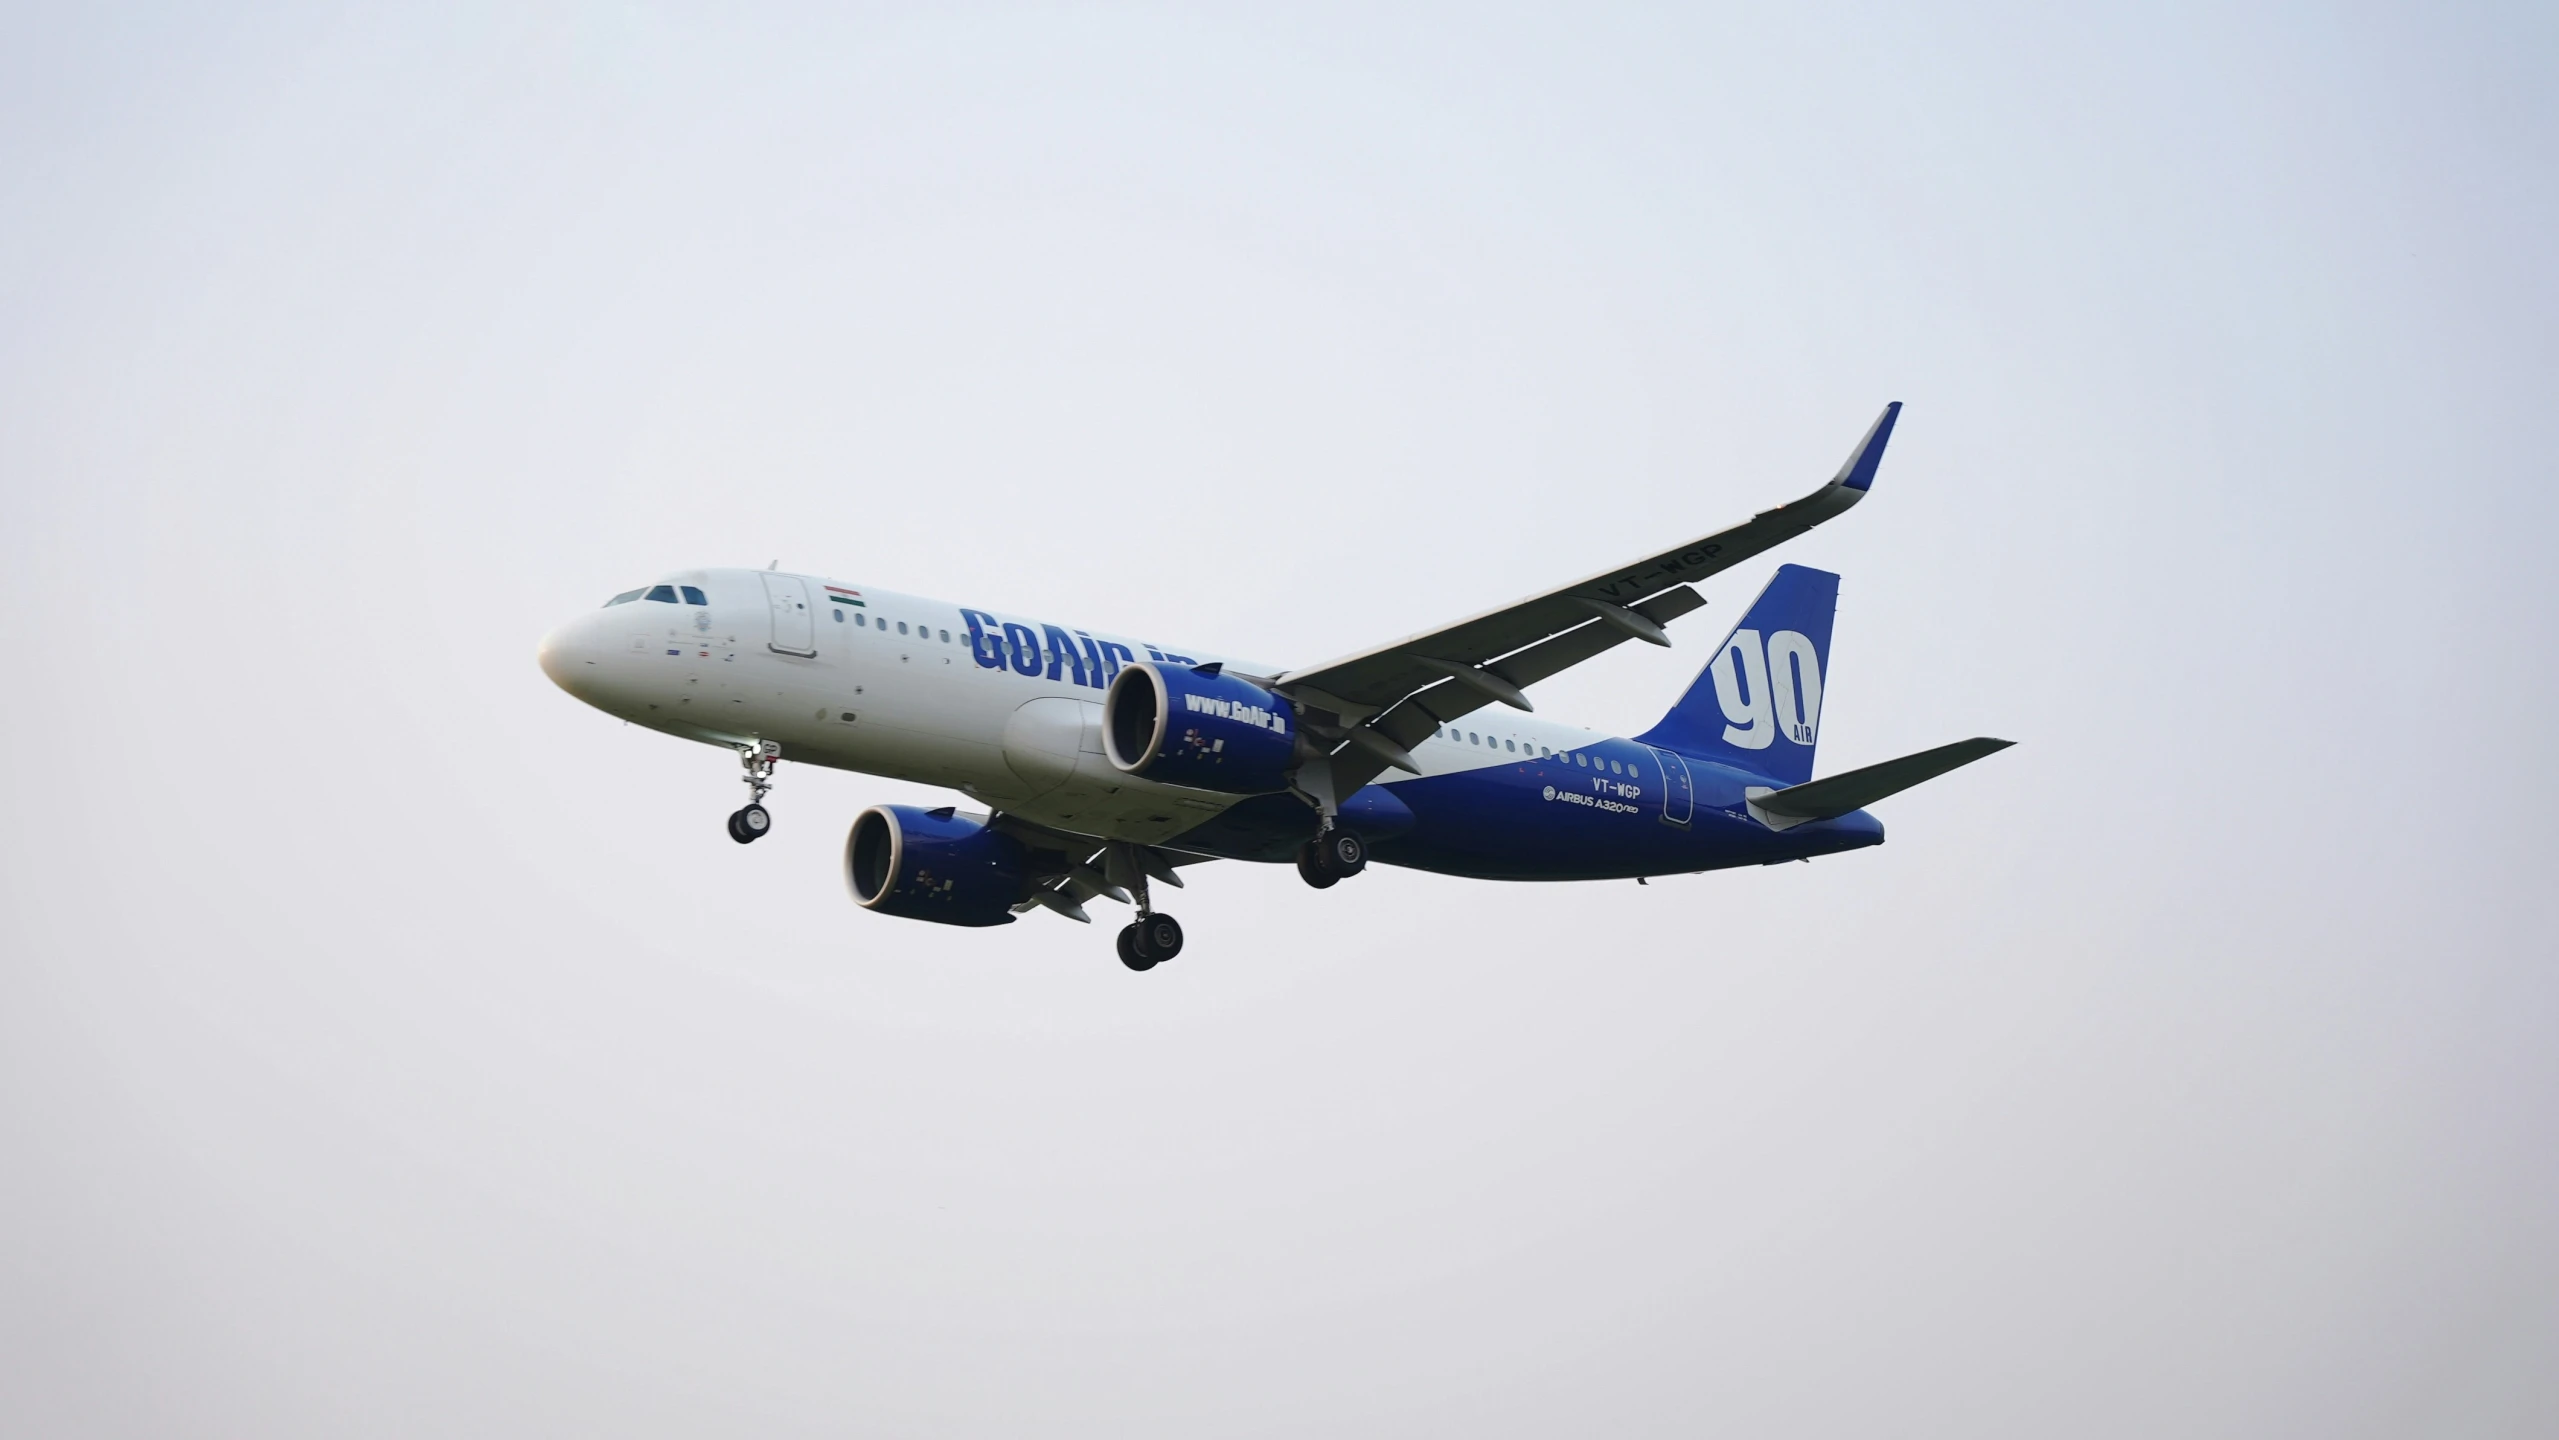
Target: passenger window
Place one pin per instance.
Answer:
(1631, 775)
(901, 627)
(625, 598)
(693, 596)
(839, 617)
(1580, 759)
(1612, 767)
(662, 592)
(1474, 739)
(1511, 745)
(861, 620)
(946, 637)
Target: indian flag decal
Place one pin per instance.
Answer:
(842, 596)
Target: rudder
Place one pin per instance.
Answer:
(1757, 705)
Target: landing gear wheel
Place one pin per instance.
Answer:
(1311, 870)
(1334, 856)
(1343, 853)
(1158, 938)
(748, 825)
(1129, 955)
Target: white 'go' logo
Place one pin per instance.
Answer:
(1758, 710)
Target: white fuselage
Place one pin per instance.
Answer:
(858, 678)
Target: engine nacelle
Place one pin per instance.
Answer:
(935, 865)
(1206, 730)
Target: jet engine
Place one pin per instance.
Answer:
(936, 865)
(1199, 727)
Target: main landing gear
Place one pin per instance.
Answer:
(1154, 937)
(750, 824)
(1333, 856)
(1149, 941)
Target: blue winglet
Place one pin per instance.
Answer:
(1859, 472)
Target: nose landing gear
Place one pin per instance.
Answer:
(750, 824)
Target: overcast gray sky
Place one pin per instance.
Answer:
(393, 1046)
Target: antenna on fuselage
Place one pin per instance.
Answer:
(776, 565)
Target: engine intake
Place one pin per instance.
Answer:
(1199, 727)
(935, 865)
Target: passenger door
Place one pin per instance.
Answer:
(794, 622)
(1679, 792)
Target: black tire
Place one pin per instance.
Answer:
(1129, 955)
(750, 824)
(737, 834)
(1342, 853)
(1310, 870)
(1159, 938)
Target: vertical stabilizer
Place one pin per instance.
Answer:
(1757, 704)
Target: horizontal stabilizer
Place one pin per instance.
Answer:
(1856, 789)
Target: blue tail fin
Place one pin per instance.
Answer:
(1757, 705)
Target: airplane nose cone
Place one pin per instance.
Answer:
(561, 656)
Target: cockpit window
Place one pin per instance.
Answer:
(661, 592)
(625, 598)
(693, 595)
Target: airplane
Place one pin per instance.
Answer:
(1107, 764)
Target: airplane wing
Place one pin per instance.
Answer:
(1379, 703)
(1072, 878)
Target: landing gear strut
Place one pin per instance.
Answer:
(1333, 856)
(749, 825)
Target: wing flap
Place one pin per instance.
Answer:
(1413, 719)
